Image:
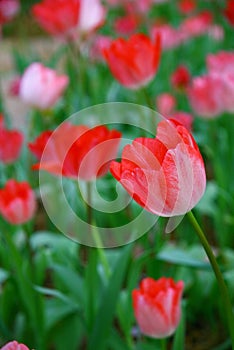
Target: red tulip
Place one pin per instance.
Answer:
(76, 150)
(1, 121)
(11, 142)
(14, 345)
(164, 175)
(180, 77)
(229, 12)
(67, 17)
(127, 24)
(17, 202)
(127, 60)
(187, 6)
(157, 306)
(57, 17)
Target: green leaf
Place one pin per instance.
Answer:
(61, 337)
(189, 257)
(70, 281)
(57, 310)
(108, 302)
(116, 342)
(179, 337)
(56, 294)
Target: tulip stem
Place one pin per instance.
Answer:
(163, 344)
(147, 98)
(218, 274)
(94, 232)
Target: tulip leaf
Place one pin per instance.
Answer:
(184, 257)
(70, 281)
(179, 337)
(56, 310)
(116, 342)
(108, 302)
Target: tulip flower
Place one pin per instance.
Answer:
(8, 10)
(127, 60)
(14, 345)
(17, 202)
(170, 37)
(206, 95)
(41, 87)
(221, 62)
(180, 77)
(11, 142)
(165, 103)
(68, 17)
(183, 118)
(76, 151)
(229, 11)
(157, 306)
(57, 17)
(187, 6)
(196, 25)
(90, 20)
(165, 175)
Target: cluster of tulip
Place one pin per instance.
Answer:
(165, 175)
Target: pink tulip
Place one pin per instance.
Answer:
(14, 345)
(170, 37)
(8, 10)
(196, 25)
(157, 306)
(221, 63)
(41, 87)
(166, 103)
(92, 15)
(206, 95)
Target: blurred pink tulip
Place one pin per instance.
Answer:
(14, 345)
(170, 37)
(222, 62)
(205, 95)
(92, 15)
(165, 103)
(8, 10)
(41, 87)
(196, 25)
(100, 43)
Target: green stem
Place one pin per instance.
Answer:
(28, 296)
(218, 274)
(95, 233)
(163, 344)
(147, 99)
